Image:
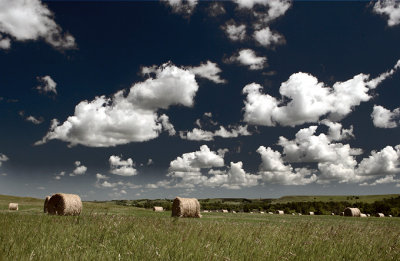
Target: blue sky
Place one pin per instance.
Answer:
(244, 98)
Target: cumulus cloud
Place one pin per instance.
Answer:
(274, 171)
(25, 20)
(384, 162)
(59, 175)
(203, 135)
(5, 43)
(385, 180)
(390, 9)
(267, 38)
(248, 57)
(48, 85)
(121, 167)
(34, 120)
(305, 100)
(216, 9)
(235, 32)
(100, 176)
(384, 118)
(184, 7)
(208, 70)
(79, 169)
(129, 116)
(3, 158)
(166, 125)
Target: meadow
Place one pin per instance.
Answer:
(106, 231)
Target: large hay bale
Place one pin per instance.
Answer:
(311, 213)
(13, 206)
(158, 209)
(363, 215)
(341, 213)
(64, 205)
(186, 207)
(280, 212)
(380, 215)
(46, 201)
(352, 212)
(225, 211)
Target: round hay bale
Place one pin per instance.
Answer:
(225, 211)
(280, 212)
(186, 207)
(46, 201)
(342, 214)
(233, 211)
(332, 214)
(380, 215)
(311, 213)
(300, 214)
(13, 206)
(390, 216)
(158, 209)
(368, 215)
(205, 211)
(271, 213)
(352, 212)
(293, 214)
(64, 205)
(363, 215)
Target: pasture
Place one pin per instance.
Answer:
(106, 231)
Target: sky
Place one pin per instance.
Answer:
(157, 99)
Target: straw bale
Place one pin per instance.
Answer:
(311, 213)
(280, 212)
(186, 207)
(13, 206)
(158, 209)
(64, 205)
(225, 211)
(363, 215)
(352, 212)
(380, 215)
(46, 201)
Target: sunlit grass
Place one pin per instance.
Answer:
(106, 231)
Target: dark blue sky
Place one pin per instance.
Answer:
(331, 41)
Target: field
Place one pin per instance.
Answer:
(106, 231)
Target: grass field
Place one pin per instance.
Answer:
(106, 231)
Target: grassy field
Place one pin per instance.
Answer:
(350, 199)
(106, 231)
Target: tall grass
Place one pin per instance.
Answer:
(108, 232)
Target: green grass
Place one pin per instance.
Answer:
(106, 231)
(350, 199)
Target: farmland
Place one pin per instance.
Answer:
(108, 231)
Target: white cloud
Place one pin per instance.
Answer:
(276, 7)
(59, 175)
(248, 57)
(384, 118)
(5, 43)
(31, 20)
(336, 131)
(79, 169)
(267, 38)
(167, 126)
(385, 180)
(199, 134)
(235, 32)
(3, 158)
(184, 7)
(121, 167)
(389, 9)
(47, 85)
(34, 120)
(208, 70)
(99, 176)
(216, 9)
(237, 177)
(274, 171)
(149, 162)
(306, 100)
(127, 116)
(384, 162)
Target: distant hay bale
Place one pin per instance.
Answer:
(293, 214)
(271, 213)
(233, 211)
(64, 205)
(262, 212)
(368, 215)
(300, 214)
(380, 215)
(341, 213)
(13, 206)
(251, 212)
(158, 209)
(390, 215)
(280, 212)
(186, 207)
(205, 211)
(311, 213)
(352, 212)
(46, 201)
(332, 214)
(225, 211)
(363, 215)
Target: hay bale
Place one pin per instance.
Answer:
(13, 206)
(262, 212)
(311, 213)
(186, 207)
(158, 209)
(224, 211)
(233, 211)
(64, 205)
(46, 201)
(205, 211)
(271, 213)
(293, 214)
(332, 214)
(300, 214)
(390, 215)
(280, 212)
(352, 212)
(363, 215)
(341, 213)
(380, 215)
(368, 215)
